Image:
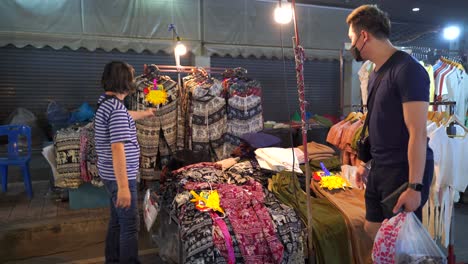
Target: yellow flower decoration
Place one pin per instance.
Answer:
(205, 200)
(333, 183)
(157, 97)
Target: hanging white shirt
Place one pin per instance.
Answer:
(364, 73)
(450, 155)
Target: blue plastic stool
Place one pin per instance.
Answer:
(16, 155)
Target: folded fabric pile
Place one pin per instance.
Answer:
(317, 151)
(279, 159)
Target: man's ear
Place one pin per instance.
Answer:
(365, 35)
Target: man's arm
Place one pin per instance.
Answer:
(119, 162)
(415, 115)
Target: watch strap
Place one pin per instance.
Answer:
(416, 186)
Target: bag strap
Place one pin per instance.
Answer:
(370, 102)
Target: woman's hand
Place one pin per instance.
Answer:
(124, 198)
(150, 112)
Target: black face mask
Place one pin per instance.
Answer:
(356, 52)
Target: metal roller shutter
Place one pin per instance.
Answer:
(30, 77)
(322, 84)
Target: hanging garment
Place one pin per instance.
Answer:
(430, 72)
(457, 90)
(208, 120)
(244, 116)
(363, 74)
(348, 135)
(88, 156)
(330, 234)
(85, 142)
(450, 156)
(150, 131)
(336, 132)
(189, 83)
(67, 147)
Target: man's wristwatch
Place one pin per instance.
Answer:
(416, 186)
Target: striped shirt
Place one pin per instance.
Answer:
(114, 124)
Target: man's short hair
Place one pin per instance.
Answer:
(370, 18)
(118, 77)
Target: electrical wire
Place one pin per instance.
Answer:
(285, 83)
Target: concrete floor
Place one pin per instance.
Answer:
(46, 231)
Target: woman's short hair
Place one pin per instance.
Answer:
(118, 77)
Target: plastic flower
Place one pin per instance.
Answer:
(157, 97)
(207, 200)
(333, 183)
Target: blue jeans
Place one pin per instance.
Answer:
(124, 224)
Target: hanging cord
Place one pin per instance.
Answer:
(299, 67)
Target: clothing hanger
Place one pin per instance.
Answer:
(430, 115)
(350, 116)
(436, 118)
(151, 71)
(453, 63)
(453, 120)
(357, 116)
(363, 118)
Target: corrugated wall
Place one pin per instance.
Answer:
(30, 77)
(322, 84)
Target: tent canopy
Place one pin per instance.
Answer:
(207, 27)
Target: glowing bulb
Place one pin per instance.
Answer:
(180, 49)
(416, 9)
(283, 14)
(451, 33)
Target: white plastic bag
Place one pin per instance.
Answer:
(414, 245)
(349, 173)
(150, 209)
(383, 251)
(402, 239)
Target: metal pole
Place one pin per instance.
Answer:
(341, 82)
(299, 58)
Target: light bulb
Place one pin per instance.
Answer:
(283, 14)
(180, 49)
(451, 33)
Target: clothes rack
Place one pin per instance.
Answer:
(185, 69)
(451, 105)
(451, 258)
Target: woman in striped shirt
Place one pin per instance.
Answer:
(118, 160)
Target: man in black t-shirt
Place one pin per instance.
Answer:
(397, 125)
